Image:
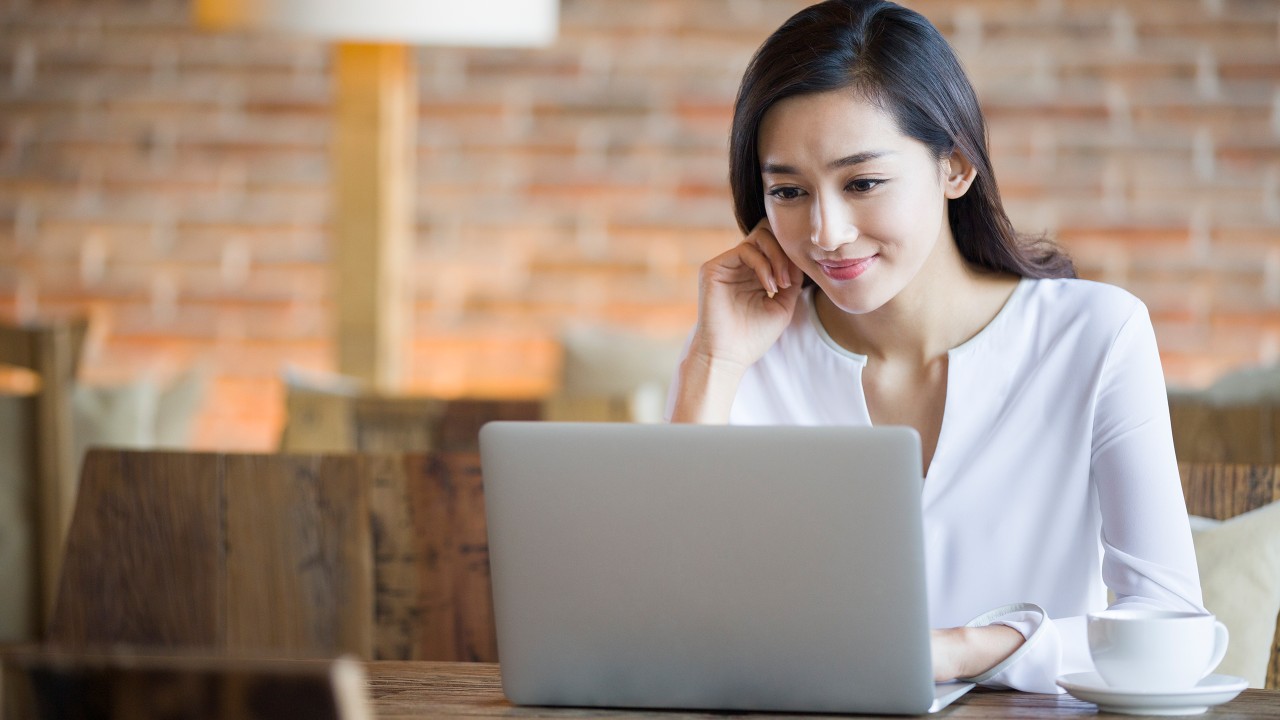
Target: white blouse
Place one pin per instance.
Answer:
(1054, 476)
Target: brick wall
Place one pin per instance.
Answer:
(174, 183)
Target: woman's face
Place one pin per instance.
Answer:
(857, 205)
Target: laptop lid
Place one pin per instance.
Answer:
(708, 567)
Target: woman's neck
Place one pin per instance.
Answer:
(947, 303)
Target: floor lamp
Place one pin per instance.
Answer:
(374, 145)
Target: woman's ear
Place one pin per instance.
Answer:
(958, 175)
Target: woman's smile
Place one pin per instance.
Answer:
(847, 269)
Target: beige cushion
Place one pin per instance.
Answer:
(1244, 386)
(318, 411)
(613, 363)
(141, 414)
(1240, 575)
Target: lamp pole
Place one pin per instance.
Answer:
(374, 142)
(372, 213)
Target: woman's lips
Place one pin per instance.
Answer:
(847, 269)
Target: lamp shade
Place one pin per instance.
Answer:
(424, 22)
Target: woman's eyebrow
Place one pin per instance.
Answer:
(858, 158)
(772, 168)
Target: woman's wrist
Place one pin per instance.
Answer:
(706, 388)
(985, 647)
(967, 652)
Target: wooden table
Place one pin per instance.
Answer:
(474, 690)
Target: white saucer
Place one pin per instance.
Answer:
(1213, 690)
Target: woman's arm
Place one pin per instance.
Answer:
(1148, 557)
(705, 388)
(746, 297)
(965, 652)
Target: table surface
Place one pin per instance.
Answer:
(474, 690)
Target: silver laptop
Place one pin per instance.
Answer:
(709, 567)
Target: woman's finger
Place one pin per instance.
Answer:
(751, 256)
(762, 235)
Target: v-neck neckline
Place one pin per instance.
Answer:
(957, 352)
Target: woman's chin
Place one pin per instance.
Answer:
(851, 300)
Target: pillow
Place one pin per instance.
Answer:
(1243, 386)
(1247, 385)
(608, 362)
(1239, 563)
(318, 410)
(329, 383)
(140, 414)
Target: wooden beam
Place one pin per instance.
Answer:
(374, 147)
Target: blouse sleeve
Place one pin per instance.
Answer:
(1148, 560)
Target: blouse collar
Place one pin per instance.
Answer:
(991, 329)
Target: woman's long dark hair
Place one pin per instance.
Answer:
(894, 57)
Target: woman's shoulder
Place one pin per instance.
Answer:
(1091, 316)
(1071, 299)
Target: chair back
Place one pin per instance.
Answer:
(378, 556)
(1224, 490)
(1239, 432)
(56, 684)
(322, 421)
(52, 350)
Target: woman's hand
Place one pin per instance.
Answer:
(746, 297)
(968, 652)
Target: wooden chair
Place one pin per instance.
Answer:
(379, 556)
(52, 350)
(1222, 491)
(1207, 432)
(61, 684)
(589, 408)
(320, 421)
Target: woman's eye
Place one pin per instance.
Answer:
(864, 184)
(786, 193)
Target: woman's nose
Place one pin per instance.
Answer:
(831, 224)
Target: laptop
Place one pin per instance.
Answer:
(710, 567)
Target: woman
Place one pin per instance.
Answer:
(881, 282)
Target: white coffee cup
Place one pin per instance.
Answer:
(1155, 650)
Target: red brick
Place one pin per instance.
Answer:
(589, 179)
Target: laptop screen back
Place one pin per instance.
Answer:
(708, 567)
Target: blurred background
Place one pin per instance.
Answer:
(173, 184)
